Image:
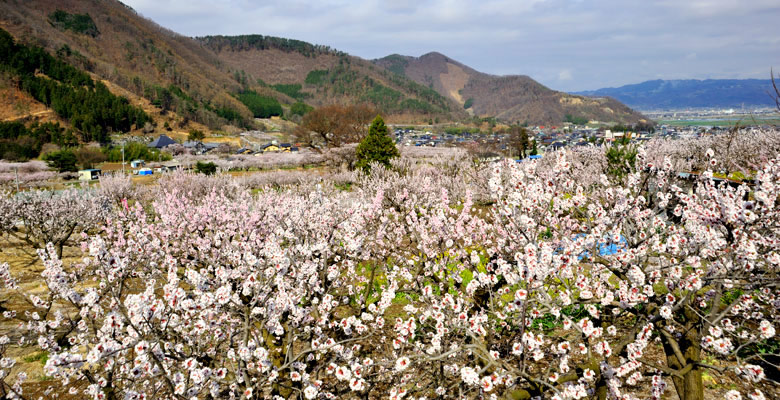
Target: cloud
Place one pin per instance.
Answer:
(608, 42)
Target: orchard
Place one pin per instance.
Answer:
(433, 278)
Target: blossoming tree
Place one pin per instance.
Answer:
(563, 288)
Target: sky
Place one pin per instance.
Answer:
(567, 45)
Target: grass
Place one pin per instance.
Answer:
(41, 357)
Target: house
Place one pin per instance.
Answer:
(244, 150)
(285, 147)
(137, 163)
(171, 166)
(270, 147)
(89, 174)
(161, 142)
(145, 171)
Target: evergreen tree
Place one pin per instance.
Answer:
(377, 146)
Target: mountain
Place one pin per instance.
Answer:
(211, 80)
(513, 98)
(135, 57)
(320, 75)
(692, 93)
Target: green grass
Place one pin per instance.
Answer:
(41, 357)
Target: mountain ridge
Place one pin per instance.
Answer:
(187, 77)
(514, 98)
(659, 94)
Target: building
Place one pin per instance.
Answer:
(137, 163)
(89, 174)
(161, 142)
(269, 148)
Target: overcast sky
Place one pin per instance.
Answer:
(565, 44)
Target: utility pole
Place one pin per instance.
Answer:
(17, 179)
(123, 158)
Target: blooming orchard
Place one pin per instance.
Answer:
(535, 282)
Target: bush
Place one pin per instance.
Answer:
(196, 134)
(63, 161)
(87, 157)
(300, 108)
(208, 168)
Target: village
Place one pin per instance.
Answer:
(492, 146)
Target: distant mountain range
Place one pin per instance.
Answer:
(513, 98)
(692, 93)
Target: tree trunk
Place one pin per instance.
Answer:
(689, 386)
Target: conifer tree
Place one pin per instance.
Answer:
(377, 146)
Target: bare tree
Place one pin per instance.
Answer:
(776, 95)
(518, 141)
(335, 125)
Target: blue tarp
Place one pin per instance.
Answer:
(606, 247)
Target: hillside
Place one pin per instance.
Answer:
(113, 43)
(514, 98)
(186, 79)
(319, 75)
(692, 93)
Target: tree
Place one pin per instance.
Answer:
(570, 286)
(334, 125)
(63, 160)
(261, 106)
(196, 135)
(518, 141)
(377, 146)
(300, 108)
(208, 168)
(49, 217)
(621, 159)
(776, 96)
(88, 156)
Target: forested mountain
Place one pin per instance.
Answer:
(109, 40)
(206, 79)
(319, 75)
(514, 98)
(91, 109)
(692, 93)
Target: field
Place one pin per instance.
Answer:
(580, 275)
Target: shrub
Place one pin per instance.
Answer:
(208, 168)
(300, 108)
(196, 134)
(63, 161)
